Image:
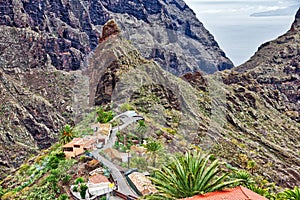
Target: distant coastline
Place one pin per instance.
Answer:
(240, 27)
(279, 12)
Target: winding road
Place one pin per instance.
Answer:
(127, 118)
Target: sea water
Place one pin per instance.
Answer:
(241, 26)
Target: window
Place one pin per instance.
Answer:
(76, 146)
(68, 149)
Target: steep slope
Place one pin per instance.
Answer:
(217, 113)
(167, 31)
(275, 69)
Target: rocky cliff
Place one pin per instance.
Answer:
(167, 31)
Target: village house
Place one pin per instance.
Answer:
(79, 146)
(142, 184)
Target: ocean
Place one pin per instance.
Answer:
(241, 26)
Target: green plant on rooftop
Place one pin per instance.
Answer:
(83, 189)
(189, 175)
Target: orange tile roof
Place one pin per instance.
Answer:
(98, 178)
(238, 193)
(75, 141)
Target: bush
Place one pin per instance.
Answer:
(83, 189)
(75, 188)
(66, 178)
(103, 116)
(63, 197)
(79, 180)
(126, 107)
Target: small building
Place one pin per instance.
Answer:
(237, 193)
(113, 154)
(99, 185)
(141, 183)
(102, 131)
(79, 145)
(98, 178)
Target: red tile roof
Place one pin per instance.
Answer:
(238, 193)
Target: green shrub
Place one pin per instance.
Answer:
(79, 180)
(63, 197)
(126, 107)
(103, 116)
(66, 178)
(75, 188)
(83, 189)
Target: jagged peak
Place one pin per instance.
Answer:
(109, 29)
(296, 24)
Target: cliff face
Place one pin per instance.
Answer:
(274, 72)
(167, 31)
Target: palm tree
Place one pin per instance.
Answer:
(141, 129)
(189, 175)
(153, 148)
(66, 134)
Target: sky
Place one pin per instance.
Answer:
(241, 26)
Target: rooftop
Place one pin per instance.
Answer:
(237, 193)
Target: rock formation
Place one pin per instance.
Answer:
(167, 31)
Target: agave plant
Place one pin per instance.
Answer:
(190, 175)
(291, 194)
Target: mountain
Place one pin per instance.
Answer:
(45, 47)
(48, 78)
(165, 30)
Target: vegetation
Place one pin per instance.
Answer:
(190, 175)
(66, 134)
(104, 116)
(290, 194)
(126, 107)
(141, 128)
(125, 141)
(79, 180)
(83, 189)
(153, 148)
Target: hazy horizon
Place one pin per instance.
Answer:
(241, 26)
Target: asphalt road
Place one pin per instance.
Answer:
(123, 187)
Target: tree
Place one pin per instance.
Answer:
(189, 175)
(141, 129)
(153, 148)
(103, 116)
(66, 134)
(83, 189)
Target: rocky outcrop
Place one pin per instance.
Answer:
(274, 72)
(167, 31)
